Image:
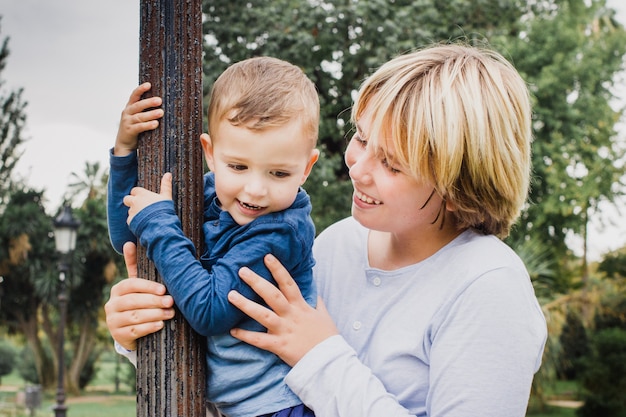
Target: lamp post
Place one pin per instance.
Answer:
(65, 230)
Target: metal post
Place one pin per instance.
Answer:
(171, 371)
(60, 408)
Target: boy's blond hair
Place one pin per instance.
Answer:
(459, 118)
(264, 92)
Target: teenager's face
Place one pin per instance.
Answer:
(386, 197)
(258, 172)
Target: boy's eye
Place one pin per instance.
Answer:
(280, 174)
(237, 167)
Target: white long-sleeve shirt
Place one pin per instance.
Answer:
(459, 334)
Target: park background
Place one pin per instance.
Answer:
(77, 61)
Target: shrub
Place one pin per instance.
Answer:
(574, 345)
(603, 375)
(7, 359)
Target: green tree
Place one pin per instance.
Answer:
(568, 50)
(28, 265)
(91, 184)
(12, 121)
(570, 53)
(338, 44)
(94, 267)
(613, 266)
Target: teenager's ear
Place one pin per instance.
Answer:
(207, 148)
(315, 154)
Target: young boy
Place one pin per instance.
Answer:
(263, 126)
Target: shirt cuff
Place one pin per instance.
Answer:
(317, 361)
(121, 161)
(131, 355)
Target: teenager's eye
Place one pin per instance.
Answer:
(391, 169)
(359, 140)
(237, 167)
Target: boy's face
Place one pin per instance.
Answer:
(258, 172)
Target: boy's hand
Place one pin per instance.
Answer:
(140, 198)
(136, 118)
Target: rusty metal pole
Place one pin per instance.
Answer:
(171, 363)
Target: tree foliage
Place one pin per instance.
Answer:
(12, 121)
(568, 50)
(613, 266)
(570, 54)
(338, 44)
(27, 262)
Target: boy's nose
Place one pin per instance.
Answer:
(256, 187)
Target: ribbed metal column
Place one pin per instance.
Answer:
(171, 366)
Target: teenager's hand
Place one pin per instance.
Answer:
(137, 307)
(137, 118)
(140, 198)
(293, 326)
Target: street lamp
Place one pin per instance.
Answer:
(65, 230)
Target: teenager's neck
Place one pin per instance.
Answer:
(388, 251)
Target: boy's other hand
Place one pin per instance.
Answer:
(140, 198)
(138, 116)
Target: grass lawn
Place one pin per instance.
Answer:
(551, 411)
(98, 399)
(101, 400)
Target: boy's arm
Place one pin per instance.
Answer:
(201, 295)
(139, 115)
(122, 178)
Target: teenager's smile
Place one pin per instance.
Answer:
(366, 199)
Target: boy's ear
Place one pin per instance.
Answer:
(207, 148)
(315, 154)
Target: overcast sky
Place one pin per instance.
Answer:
(77, 61)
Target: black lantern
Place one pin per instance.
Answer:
(65, 231)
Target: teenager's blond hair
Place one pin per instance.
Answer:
(262, 93)
(459, 118)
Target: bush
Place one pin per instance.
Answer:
(26, 366)
(7, 359)
(603, 375)
(574, 345)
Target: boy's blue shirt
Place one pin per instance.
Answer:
(242, 380)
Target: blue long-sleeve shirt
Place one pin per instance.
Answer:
(242, 380)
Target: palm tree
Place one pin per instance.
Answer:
(92, 182)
